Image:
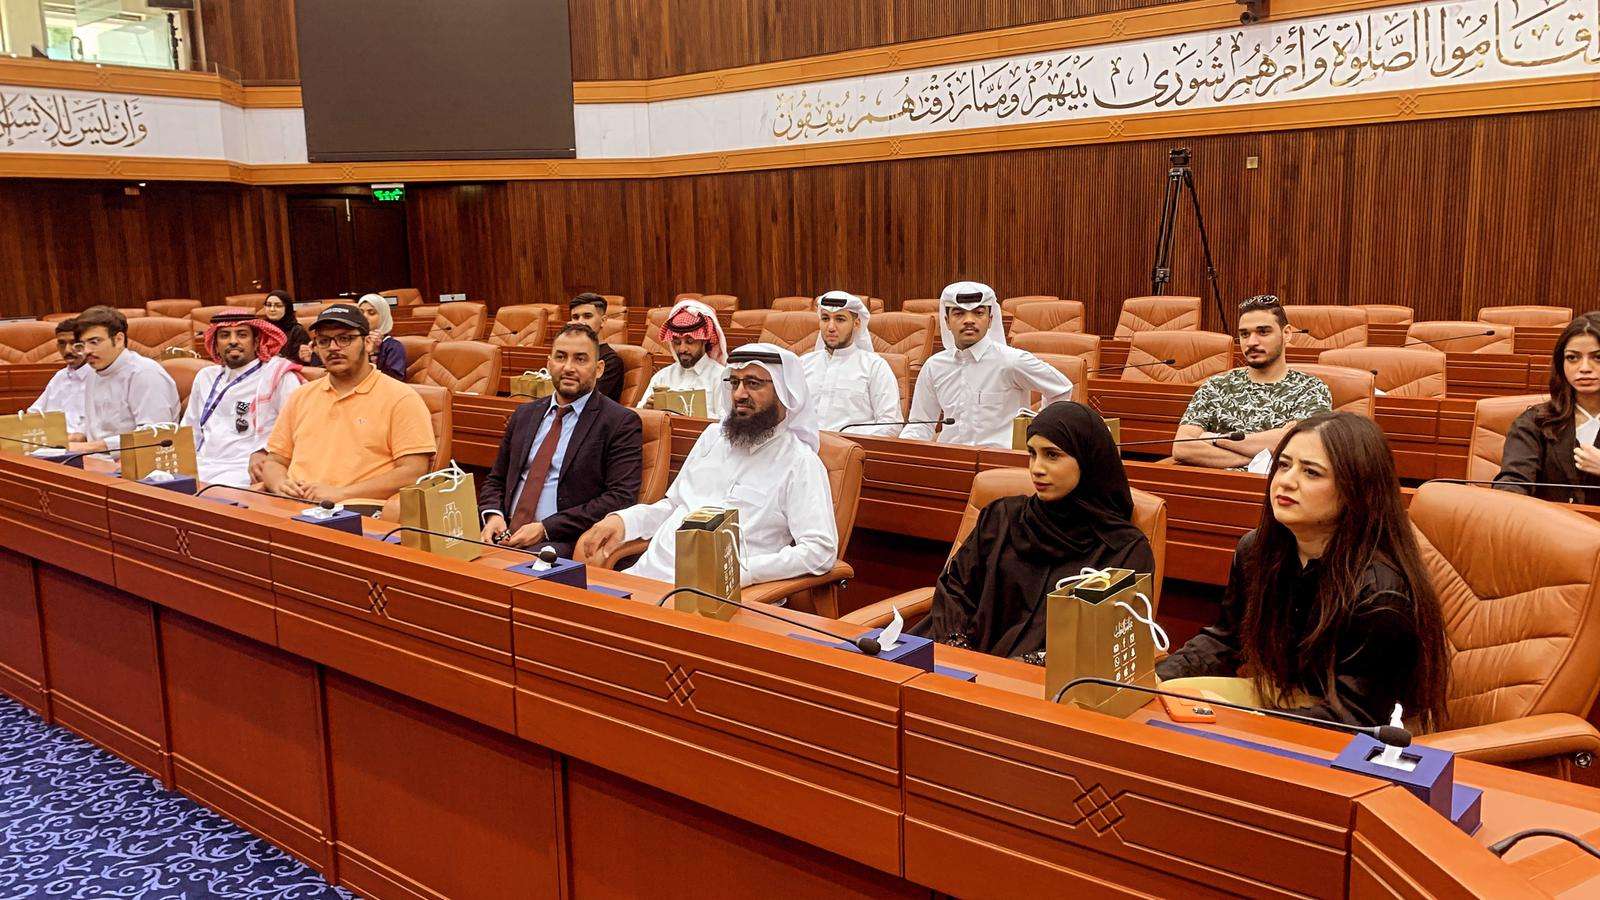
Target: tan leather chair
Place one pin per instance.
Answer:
(1517, 581)
(1491, 422)
(686, 295)
(403, 296)
(459, 322)
(1326, 327)
(1164, 313)
(153, 336)
(1387, 314)
(1352, 389)
(1149, 514)
(613, 330)
(874, 304)
(28, 341)
(306, 313)
(1195, 355)
(1536, 316)
(1075, 368)
(248, 301)
(722, 304)
(183, 371)
(845, 462)
(1461, 337)
(794, 331)
(1009, 305)
(922, 306)
(911, 335)
(418, 349)
(653, 320)
(463, 367)
(637, 367)
(795, 304)
(1400, 372)
(132, 312)
(438, 401)
(901, 367)
(657, 474)
(200, 317)
(173, 308)
(751, 318)
(1064, 343)
(1046, 315)
(55, 317)
(523, 325)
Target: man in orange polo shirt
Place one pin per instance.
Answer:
(352, 434)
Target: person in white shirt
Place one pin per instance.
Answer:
(976, 379)
(849, 382)
(233, 405)
(64, 393)
(691, 330)
(125, 392)
(761, 459)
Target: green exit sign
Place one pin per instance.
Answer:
(388, 193)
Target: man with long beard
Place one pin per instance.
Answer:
(761, 459)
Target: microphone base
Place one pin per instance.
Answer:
(1430, 777)
(562, 571)
(70, 460)
(183, 484)
(910, 651)
(342, 520)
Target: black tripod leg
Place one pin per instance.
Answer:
(1161, 272)
(1205, 246)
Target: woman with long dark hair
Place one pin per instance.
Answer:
(278, 309)
(1328, 610)
(1558, 442)
(991, 595)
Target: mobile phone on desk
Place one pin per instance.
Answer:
(1188, 711)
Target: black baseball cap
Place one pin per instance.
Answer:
(346, 314)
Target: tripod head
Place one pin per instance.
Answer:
(1179, 156)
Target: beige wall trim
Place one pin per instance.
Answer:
(1153, 21)
(75, 76)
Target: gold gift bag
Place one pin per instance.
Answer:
(36, 428)
(708, 560)
(1019, 429)
(177, 459)
(1102, 625)
(684, 403)
(445, 501)
(1115, 427)
(532, 384)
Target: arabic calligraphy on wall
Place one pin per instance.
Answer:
(57, 121)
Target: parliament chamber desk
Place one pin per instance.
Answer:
(414, 726)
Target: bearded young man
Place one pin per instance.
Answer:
(234, 405)
(849, 382)
(692, 332)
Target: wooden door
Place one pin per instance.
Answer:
(343, 246)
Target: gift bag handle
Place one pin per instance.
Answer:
(1085, 576)
(1157, 633)
(454, 472)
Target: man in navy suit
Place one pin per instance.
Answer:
(567, 460)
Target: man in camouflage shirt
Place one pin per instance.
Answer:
(1262, 399)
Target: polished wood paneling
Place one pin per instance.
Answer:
(251, 41)
(22, 672)
(1445, 216)
(71, 245)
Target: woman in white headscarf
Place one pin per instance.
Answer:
(388, 354)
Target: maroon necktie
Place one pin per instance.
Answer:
(538, 471)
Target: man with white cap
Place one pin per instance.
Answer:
(976, 379)
(692, 332)
(849, 382)
(761, 459)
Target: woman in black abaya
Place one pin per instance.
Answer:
(991, 595)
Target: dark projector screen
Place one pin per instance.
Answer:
(435, 79)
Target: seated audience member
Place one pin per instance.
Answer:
(278, 309)
(126, 390)
(991, 596)
(848, 380)
(691, 330)
(1328, 610)
(761, 460)
(567, 460)
(590, 309)
(355, 433)
(388, 354)
(64, 393)
(976, 379)
(1558, 442)
(1263, 399)
(233, 405)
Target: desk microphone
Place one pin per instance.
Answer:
(546, 554)
(948, 420)
(1230, 436)
(1488, 333)
(68, 459)
(865, 644)
(1386, 734)
(1159, 362)
(325, 504)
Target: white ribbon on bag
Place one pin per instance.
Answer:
(156, 427)
(1157, 633)
(454, 472)
(1086, 575)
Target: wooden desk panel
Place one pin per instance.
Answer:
(57, 513)
(915, 488)
(516, 360)
(1149, 410)
(1208, 510)
(1478, 375)
(1537, 342)
(478, 424)
(1395, 853)
(22, 669)
(20, 385)
(1379, 335)
(416, 326)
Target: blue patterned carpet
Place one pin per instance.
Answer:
(76, 822)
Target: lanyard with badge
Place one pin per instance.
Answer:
(219, 390)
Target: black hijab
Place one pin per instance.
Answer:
(293, 332)
(1099, 509)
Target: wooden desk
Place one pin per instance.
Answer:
(22, 384)
(416, 726)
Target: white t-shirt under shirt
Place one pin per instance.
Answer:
(252, 395)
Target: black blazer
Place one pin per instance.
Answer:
(600, 472)
(1531, 456)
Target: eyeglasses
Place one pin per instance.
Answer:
(750, 384)
(339, 340)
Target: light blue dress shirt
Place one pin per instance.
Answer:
(547, 497)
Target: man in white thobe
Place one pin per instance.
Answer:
(761, 459)
(126, 391)
(976, 379)
(849, 382)
(233, 405)
(64, 393)
(696, 339)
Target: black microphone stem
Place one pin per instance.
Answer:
(865, 644)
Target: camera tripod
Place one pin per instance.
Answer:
(1180, 177)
